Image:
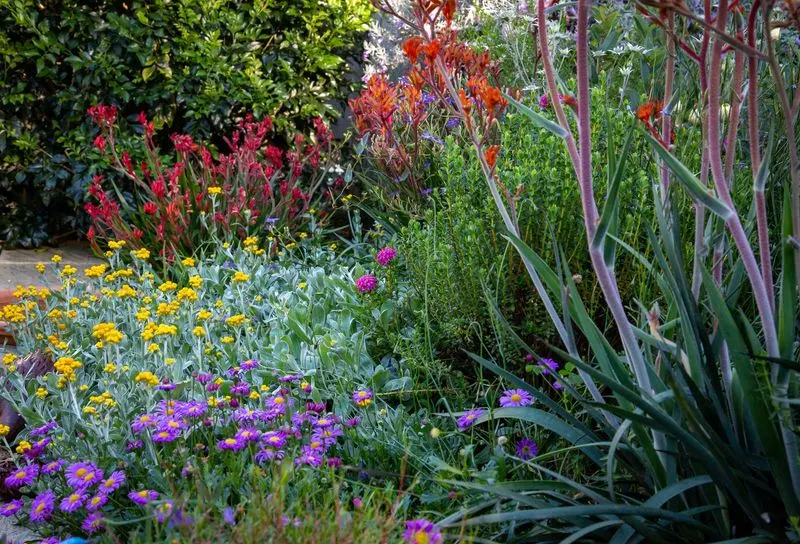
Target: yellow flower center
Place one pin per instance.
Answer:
(74, 497)
(39, 508)
(516, 397)
(80, 472)
(421, 537)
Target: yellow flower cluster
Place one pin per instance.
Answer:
(203, 315)
(121, 273)
(15, 313)
(143, 254)
(116, 244)
(187, 293)
(9, 358)
(167, 286)
(126, 291)
(107, 332)
(96, 271)
(68, 270)
(143, 314)
(146, 377)
(251, 246)
(188, 261)
(4, 430)
(103, 399)
(31, 291)
(240, 277)
(152, 330)
(235, 320)
(66, 366)
(196, 282)
(167, 308)
(214, 190)
(199, 331)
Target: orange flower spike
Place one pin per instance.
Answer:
(431, 49)
(449, 9)
(411, 48)
(570, 101)
(491, 155)
(466, 105)
(644, 112)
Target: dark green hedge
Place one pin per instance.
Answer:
(194, 66)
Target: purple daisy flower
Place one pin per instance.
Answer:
(422, 531)
(93, 523)
(11, 508)
(469, 418)
(42, 506)
(274, 439)
(323, 422)
(44, 429)
(248, 434)
(143, 422)
(334, 462)
(353, 422)
(229, 516)
(308, 458)
(386, 256)
(166, 435)
(289, 378)
(362, 397)
(317, 407)
(452, 123)
(548, 366)
(240, 388)
(133, 445)
(194, 409)
(268, 454)
(96, 502)
(249, 364)
(164, 511)
(84, 474)
(366, 283)
(112, 483)
(204, 378)
(527, 449)
(232, 444)
(327, 436)
(22, 476)
(166, 386)
(73, 501)
(52, 467)
(516, 397)
(142, 497)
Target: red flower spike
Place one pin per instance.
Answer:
(491, 155)
(411, 48)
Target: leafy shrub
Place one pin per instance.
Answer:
(195, 67)
(177, 208)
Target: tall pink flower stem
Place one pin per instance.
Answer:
(789, 111)
(733, 223)
(755, 156)
(582, 164)
(669, 80)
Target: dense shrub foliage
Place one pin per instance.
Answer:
(194, 67)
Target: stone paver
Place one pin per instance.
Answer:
(17, 266)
